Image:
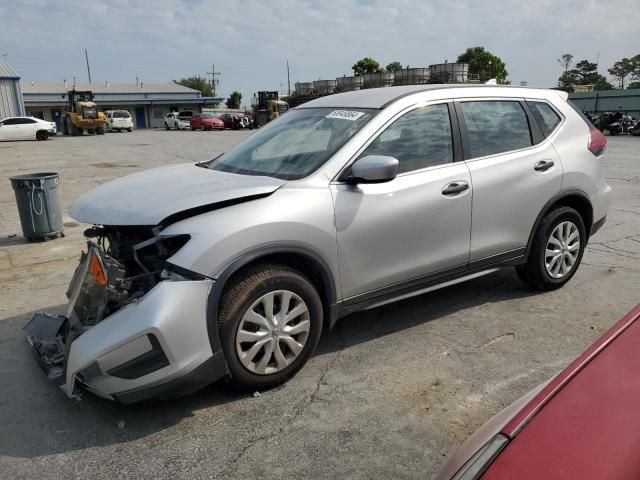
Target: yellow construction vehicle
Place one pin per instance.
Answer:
(268, 107)
(82, 114)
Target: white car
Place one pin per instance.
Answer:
(177, 121)
(26, 128)
(118, 120)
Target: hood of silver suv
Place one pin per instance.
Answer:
(149, 197)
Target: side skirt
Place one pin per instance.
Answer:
(430, 282)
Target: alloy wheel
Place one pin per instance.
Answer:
(562, 250)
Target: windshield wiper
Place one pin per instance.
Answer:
(207, 163)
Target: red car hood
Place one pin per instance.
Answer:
(584, 424)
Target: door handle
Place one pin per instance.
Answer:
(454, 188)
(543, 165)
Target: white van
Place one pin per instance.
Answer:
(118, 120)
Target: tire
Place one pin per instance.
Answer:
(129, 130)
(203, 127)
(166, 126)
(244, 295)
(540, 274)
(75, 131)
(100, 130)
(42, 135)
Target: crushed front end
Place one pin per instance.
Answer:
(135, 326)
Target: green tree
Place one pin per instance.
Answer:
(586, 73)
(635, 74)
(197, 83)
(234, 100)
(366, 65)
(566, 59)
(484, 64)
(393, 67)
(621, 70)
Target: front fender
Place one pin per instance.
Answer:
(289, 218)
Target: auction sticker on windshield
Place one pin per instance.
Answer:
(346, 114)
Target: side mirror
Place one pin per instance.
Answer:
(373, 169)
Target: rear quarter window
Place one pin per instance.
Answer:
(547, 118)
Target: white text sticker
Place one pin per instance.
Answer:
(352, 115)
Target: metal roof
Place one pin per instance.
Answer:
(6, 71)
(57, 88)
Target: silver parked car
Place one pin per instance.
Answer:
(232, 268)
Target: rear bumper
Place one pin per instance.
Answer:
(158, 346)
(600, 203)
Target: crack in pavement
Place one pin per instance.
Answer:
(611, 251)
(616, 251)
(611, 267)
(17, 267)
(298, 411)
(626, 211)
(630, 180)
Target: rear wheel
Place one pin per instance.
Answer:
(166, 126)
(270, 322)
(100, 130)
(556, 251)
(129, 129)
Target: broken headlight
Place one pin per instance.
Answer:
(151, 255)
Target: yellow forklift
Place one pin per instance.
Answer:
(267, 107)
(82, 114)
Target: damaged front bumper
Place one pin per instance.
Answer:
(156, 346)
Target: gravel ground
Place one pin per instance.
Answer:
(390, 392)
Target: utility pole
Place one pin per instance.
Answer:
(214, 80)
(86, 57)
(288, 79)
(595, 87)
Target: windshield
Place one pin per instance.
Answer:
(296, 144)
(90, 112)
(123, 114)
(206, 115)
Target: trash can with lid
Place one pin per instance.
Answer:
(38, 205)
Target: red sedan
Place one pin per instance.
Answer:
(206, 122)
(582, 424)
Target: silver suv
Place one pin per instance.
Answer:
(232, 268)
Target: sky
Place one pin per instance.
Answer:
(250, 41)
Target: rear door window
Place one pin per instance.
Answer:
(545, 115)
(22, 121)
(495, 126)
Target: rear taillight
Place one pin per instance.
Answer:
(597, 142)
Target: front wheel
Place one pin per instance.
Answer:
(557, 250)
(42, 135)
(269, 323)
